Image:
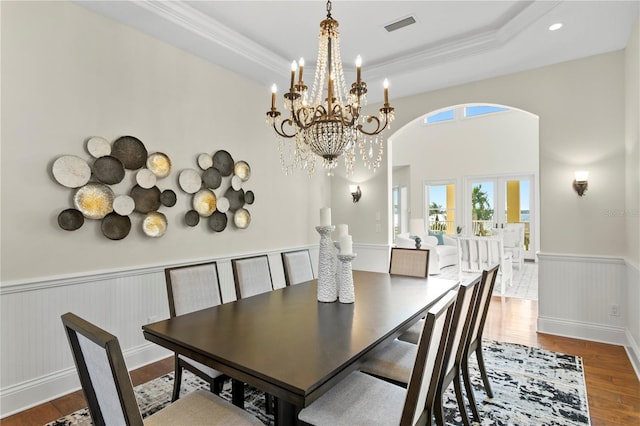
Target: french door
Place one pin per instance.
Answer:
(494, 201)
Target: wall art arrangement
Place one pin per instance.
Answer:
(217, 191)
(120, 179)
(96, 182)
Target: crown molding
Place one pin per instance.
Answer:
(488, 38)
(482, 40)
(215, 32)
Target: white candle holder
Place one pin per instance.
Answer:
(336, 244)
(347, 292)
(327, 287)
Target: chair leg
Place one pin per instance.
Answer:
(237, 393)
(268, 403)
(438, 408)
(483, 371)
(218, 384)
(469, 390)
(463, 411)
(177, 379)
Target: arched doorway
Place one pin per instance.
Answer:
(445, 156)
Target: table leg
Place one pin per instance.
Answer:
(237, 393)
(286, 413)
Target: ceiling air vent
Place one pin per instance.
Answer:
(400, 24)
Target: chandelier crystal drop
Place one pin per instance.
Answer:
(326, 122)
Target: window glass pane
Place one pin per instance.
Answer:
(482, 210)
(440, 116)
(441, 208)
(471, 111)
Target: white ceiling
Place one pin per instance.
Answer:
(452, 42)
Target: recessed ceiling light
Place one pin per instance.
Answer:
(555, 26)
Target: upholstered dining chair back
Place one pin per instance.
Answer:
(251, 276)
(422, 386)
(192, 287)
(109, 393)
(297, 266)
(103, 373)
(409, 262)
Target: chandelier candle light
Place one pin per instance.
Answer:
(327, 122)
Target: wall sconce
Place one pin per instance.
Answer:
(580, 183)
(355, 192)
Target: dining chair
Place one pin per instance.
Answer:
(478, 253)
(251, 276)
(363, 399)
(109, 393)
(191, 288)
(297, 266)
(409, 262)
(514, 242)
(394, 361)
(474, 341)
(456, 345)
(413, 263)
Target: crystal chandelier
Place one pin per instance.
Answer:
(326, 122)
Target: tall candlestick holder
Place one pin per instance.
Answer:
(327, 287)
(347, 292)
(336, 244)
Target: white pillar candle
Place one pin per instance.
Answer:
(341, 231)
(325, 216)
(346, 244)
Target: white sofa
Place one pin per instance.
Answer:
(440, 255)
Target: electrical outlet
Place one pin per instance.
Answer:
(378, 228)
(614, 310)
(152, 318)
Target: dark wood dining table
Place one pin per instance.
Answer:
(293, 347)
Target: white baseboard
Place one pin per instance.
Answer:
(633, 351)
(583, 330)
(34, 392)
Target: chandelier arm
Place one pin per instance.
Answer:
(281, 132)
(380, 126)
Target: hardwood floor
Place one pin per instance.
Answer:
(612, 386)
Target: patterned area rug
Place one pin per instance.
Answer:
(531, 387)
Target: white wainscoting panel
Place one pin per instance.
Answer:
(36, 364)
(576, 296)
(371, 257)
(36, 359)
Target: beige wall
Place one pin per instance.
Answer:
(580, 105)
(68, 74)
(632, 144)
